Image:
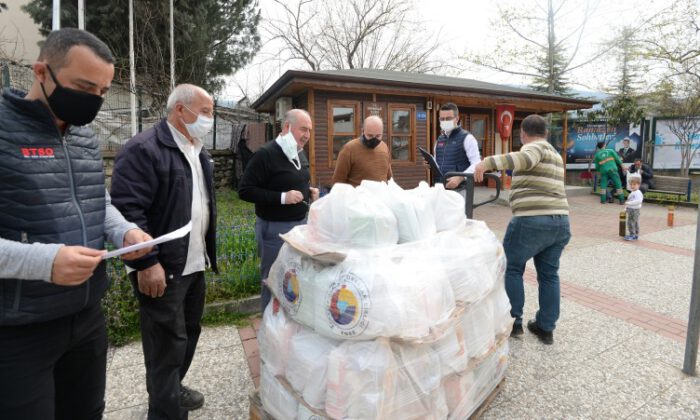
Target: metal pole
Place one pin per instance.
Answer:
(132, 69)
(56, 20)
(172, 46)
(81, 14)
(693, 334)
(214, 135)
(140, 98)
(6, 76)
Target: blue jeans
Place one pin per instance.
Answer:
(542, 238)
(267, 234)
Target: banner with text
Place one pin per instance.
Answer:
(583, 137)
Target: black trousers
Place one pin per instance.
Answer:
(170, 328)
(54, 369)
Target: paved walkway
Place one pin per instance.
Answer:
(618, 346)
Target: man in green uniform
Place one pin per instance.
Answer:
(606, 163)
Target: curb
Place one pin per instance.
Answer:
(249, 305)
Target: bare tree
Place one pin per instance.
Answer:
(532, 43)
(672, 39)
(352, 34)
(10, 44)
(681, 102)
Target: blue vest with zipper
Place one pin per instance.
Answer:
(51, 191)
(449, 152)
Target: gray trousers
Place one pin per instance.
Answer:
(633, 221)
(267, 234)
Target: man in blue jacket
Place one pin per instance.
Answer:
(456, 149)
(162, 179)
(54, 216)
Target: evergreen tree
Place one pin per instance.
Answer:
(213, 38)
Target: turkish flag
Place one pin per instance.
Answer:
(505, 115)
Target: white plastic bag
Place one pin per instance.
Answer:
(383, 293)
(382, 380)
(293, 284)
(360, 380)
(477, 323)
(352, 217)
(467, 391)
(276, 400)
(418, 393)
(473, 259)
(308, 364)
(448, 208)
(274, 335)
(502, 320)
(413, 213)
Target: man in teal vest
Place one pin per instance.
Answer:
(606, 163)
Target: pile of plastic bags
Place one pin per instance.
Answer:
(390, 304)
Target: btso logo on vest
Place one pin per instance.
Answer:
(37, 152)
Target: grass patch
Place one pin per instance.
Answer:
(238, 277)
(217, 318)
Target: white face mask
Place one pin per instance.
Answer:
(447, 126)
(289, 147)
(201, 127)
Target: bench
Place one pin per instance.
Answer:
(673, 185)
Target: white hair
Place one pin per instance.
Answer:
(184, 94)
(293, 114)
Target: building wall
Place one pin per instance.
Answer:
(20, 35)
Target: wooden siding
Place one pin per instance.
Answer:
(406, 174)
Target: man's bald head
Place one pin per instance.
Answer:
(373, 127)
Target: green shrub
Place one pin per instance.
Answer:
(238, 264)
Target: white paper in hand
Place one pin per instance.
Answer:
(176, 234)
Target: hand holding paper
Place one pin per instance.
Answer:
(136, 236)
(176, 234)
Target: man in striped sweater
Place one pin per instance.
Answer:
(539, 228)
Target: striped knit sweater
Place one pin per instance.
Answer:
(537, 187)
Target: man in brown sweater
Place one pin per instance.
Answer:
(366, 157)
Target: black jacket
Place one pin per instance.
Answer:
(646, 172)
(51, 191)
(152, 187)
(268, 174)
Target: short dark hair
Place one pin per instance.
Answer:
(600, 144)
(450, 107)
(59, 42)
(534, 125)
(638, 160)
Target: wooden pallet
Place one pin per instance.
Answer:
(258, 413)
(487, 402)
(256, 408)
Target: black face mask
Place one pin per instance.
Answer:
(371, 142)
(72, 106)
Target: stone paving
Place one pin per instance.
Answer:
(618, 347)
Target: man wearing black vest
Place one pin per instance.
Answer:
(456, 149)
(164, 178)
(54, 216)
(277, 181)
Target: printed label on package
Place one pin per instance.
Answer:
(348, 306)
(289, 287)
